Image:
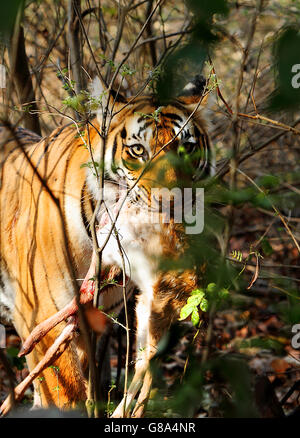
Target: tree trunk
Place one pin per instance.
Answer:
(22, 78)
(74, 41)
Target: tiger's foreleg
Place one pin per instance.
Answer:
(144, 354)
(157, 327)
(152, 323)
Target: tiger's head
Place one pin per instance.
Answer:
(153, 146)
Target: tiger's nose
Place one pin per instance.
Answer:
(170, 176)
(165, 174)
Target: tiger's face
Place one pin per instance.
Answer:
(154, 147)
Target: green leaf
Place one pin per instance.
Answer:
(211, 288)
(269, 181)
(263, 344)
(197, 292)
(76, 102)
(195, 300)
(186, 311)
(266, 247)
(262, 200)
(195, 318)
(204, 305)
(223, 294)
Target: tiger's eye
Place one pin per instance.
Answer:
(189, 147)
(185, 148)
(138, 150)
(181, 150)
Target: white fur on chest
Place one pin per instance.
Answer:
(139, 237)
(140, 244)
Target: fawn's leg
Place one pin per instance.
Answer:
(142, 400)
(59, 346)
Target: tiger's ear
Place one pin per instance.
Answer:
(99, 94)
(193, 91)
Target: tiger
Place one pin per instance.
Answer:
(48, 195)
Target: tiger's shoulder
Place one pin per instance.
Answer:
(13, 138)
